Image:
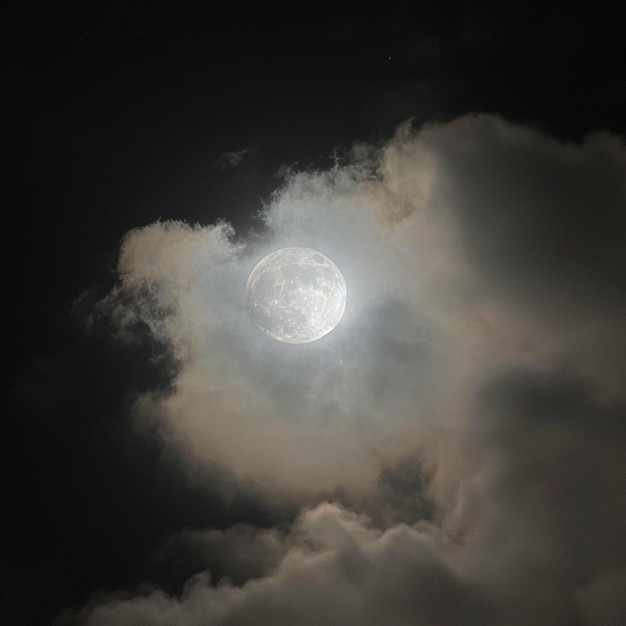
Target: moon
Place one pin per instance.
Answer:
(296, 295)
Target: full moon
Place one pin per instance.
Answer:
(296, 295)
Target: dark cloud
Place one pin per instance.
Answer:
(562, 463)
(335, 569)
(235, 158)
(238, 554)
(556, 517)
(540, 217)
(534, 534)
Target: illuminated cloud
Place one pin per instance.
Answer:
(335, 569)
(464, 412)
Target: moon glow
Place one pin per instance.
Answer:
(296, 295)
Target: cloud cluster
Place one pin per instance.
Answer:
(335, 570)
(468, 413)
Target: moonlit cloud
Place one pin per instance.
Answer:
(467, 412)
(335, 569)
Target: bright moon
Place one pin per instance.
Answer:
(296, 295)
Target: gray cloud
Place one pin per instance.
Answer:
(238, 554)
(234, 158)
(468, 412)
(336, 569)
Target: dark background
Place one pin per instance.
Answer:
(114, 116)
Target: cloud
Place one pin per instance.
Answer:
(541, 225)
(455, 241)
(239, 553)
(532, 534)
(298, 417)
(336, 569)
(234, 158)
(457, 443)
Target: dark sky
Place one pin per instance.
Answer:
(116, 116)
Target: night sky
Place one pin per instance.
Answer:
(453, 453)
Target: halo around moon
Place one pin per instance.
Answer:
(296, 295)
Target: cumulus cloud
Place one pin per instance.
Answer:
(466, 418)
(335, 569)
(238, 553)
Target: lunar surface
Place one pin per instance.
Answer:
(296, 295)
